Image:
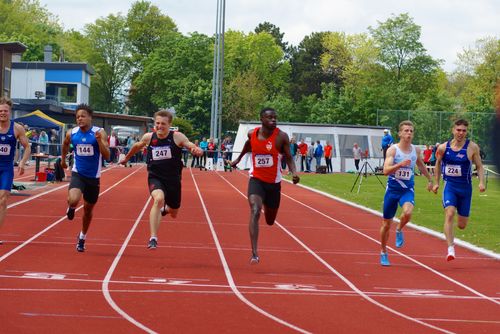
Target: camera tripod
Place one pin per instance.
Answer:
(364, 170)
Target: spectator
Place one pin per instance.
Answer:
(357, 153)
(387, 141)
(328, 157)
(427, 155)
(318, 154)
(303, 154)
(310, 156)
(113, 146)
(204, 147)
(196, 159)
(212, 148)
(43, 140)
(54, 141)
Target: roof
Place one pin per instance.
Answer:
(13, 47)
(38, 119)
(40, 65)
(320, 125)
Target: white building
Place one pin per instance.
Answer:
(64, 82)
(341, 137)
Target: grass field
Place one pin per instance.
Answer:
(484, 225)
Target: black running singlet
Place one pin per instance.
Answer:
(164, 156)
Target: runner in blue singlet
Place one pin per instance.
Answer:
(90, 147)
(399, 165)
(10, 133)
(454, 160)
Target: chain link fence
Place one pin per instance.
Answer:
(433, 127)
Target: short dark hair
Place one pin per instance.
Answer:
(165, 113)
(6, 100)
(461, 121)
(86, 107)
(263, 111)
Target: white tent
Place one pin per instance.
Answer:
(342, 138)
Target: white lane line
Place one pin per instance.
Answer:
(52, 315)
(227, 271)
(44, 193)
(477, 293)
(464, 320)
(107, 278)
(342, 277)
(21, 246)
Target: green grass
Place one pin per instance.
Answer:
(483, 229)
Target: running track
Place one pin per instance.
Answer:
(319, 270)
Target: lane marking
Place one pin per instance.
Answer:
(21, 246)
(227, 271)
(34, 314)
(397, 252)
(107, 278)
(342, 277)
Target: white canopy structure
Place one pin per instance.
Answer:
(341, 137)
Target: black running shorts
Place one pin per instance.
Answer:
(88, 186)
(171, 188)
(269, 192)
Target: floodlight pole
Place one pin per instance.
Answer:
(218, 73)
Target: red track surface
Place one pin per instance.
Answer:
(319, 269)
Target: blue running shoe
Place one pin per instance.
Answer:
(80, 244)
(152, 244)
(384, 259)
(254, 259)
(400, 240)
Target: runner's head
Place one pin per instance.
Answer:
(406, 130)
(5, 107)
(460, 129)
(84, 116)
(163, 121)
(268, 118)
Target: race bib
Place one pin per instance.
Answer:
(85, 150)
(161, 153)
(404, 174)
(4, 149)
(263, 160)
(453, 170)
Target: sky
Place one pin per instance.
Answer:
(447, 26)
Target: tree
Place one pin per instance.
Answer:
(146, 26)
(30, 23)
(110, 57)
(307, 75)
(274, 31)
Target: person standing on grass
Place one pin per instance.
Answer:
(399, 164)
(164, 161)
(90, 146)
(357, 153)
(328, 157)
(454, 160)
(10, 133)
(268, 145)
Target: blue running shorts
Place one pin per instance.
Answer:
(458, 195)
(393, 197)
(6, 178)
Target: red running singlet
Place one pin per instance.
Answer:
(266, 159)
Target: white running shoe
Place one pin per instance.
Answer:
(451, 253)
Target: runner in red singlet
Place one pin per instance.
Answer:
(268, 145)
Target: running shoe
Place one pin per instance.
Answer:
(152, 244)
(70, 213)
(80, 244)
(164, 211)
(254, 259)
(451, 253)
(400, 240)
(384, 259)
(1, 242)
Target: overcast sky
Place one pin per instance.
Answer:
(448, 26)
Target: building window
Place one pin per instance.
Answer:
(346, 143)
(6, 79)
(65, 93)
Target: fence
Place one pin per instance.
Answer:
(435, 126)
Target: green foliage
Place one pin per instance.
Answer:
(110, 57)
(28, 22)
(274, 31)
(185, 127)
